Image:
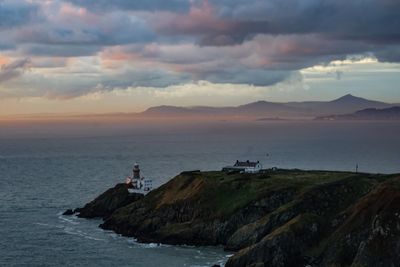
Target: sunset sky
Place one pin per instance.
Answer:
(100, 56)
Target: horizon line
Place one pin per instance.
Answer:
(122, 113)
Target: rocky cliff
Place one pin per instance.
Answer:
(106, 203)
(280, 218)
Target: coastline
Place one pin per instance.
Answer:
(256, 215)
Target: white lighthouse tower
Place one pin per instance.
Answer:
(136, 171)
(138, 182)
(136, 179)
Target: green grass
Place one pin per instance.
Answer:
(237, 191)
(226, 193)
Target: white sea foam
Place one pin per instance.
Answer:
(71, 221)
(72, 231)
(150, 245)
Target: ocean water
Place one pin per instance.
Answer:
(43, 174)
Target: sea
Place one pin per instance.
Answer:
(46, 169)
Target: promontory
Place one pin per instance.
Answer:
(276, 218)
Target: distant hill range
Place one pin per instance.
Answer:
(392, 113)
(343, 105)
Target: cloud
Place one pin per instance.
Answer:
(226, 23)
(14, 13)
(196, 93)
(54, 81)
(370, 20)
(389, 53)
(77, 47)
(13, 69)
(264, 60)
(138, 5)
(68, 30)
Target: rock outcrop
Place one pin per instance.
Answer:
(281, 218)
(108, 202)
(198, 209)
(369, 234)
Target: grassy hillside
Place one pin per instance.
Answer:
(225, 193)
(276, 218)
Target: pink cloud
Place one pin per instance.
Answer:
(199, 20)
(73, 14)
(4, 60)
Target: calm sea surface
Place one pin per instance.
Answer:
(45, 171)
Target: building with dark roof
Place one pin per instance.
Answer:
(245, 166)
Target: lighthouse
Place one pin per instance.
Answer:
(137, 182)
(136, 171)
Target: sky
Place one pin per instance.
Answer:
(101, 56)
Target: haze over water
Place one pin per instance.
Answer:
(41, 177)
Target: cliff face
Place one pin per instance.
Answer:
(108, 202)
(366, 233)
(283, 218)
(369, 234)
(197, 209)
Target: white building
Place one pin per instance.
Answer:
(245, 166)
(138, 182)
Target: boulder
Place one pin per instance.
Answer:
(68, 212)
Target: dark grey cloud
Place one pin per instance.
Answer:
(144, 78)
(374, 21)
(258, 77)
(13, 70)
(60, 50)
(389, 53)
(15, 13)
(139, 5)
(78, 34)
(6, 45)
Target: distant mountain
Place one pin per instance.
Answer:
(343, 105)
(185, 111)
(352, 102)
(169, 110)
(259, 108)
(392, 113)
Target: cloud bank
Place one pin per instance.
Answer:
(13, 70)
(78, 47)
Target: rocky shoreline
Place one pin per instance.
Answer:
(278, 218)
